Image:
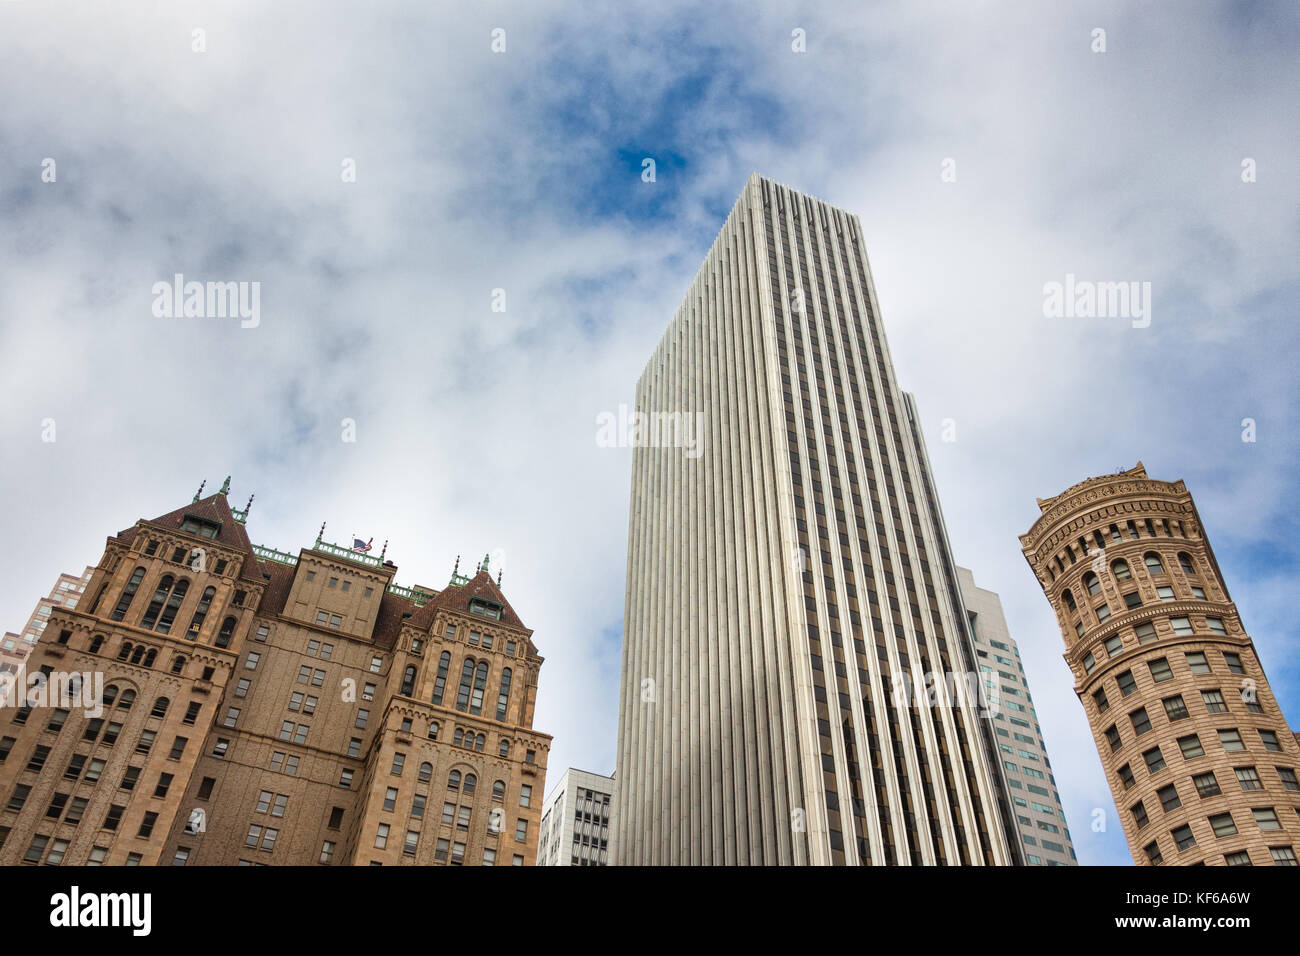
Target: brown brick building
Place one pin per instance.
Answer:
(1200, 760)
(266, 708)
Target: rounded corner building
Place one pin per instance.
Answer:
(1199, 758)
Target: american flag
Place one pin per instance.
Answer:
(362, 546)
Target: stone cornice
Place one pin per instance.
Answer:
(1098, 636)
(1085, 498)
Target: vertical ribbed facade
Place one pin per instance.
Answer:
(785, 572)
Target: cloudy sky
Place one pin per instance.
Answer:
(520, 171)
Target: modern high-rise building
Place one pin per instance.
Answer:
(14, 648)
(787, 564)
(575, 821)
(1200, 760)
(1040, 817)
(254, 707)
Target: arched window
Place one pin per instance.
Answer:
(453, 780)
(1185, 562)
(426, 772)
(178, 664)
(1120, 570)
(196, 622)
(466, 681)
(1069, 600)
(503, 697)
(128, 594)
(504, 749)
(137, 655)
(110, 695)
(150, 657)
(471, 782)
(1153, 563)
(96, 643)
(480, 685)
(458, 738)
(127, 700)
(173, 605)
(408, 681)
(1092, 583)
(160, 707)
(440, 684)
(227, 629)
(124, 651)
(498, 790)
(480, 742)
(156, 604)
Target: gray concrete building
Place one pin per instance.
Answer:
(1036, 803)
(790, 579)
(576, 820)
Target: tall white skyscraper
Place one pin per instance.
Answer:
(787, 563)
(1035, 801)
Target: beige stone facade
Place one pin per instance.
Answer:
(1200, 760)
(267, 708)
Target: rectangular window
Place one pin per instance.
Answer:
(1160, 670)
(1231, 739)
(1197, 663)
(1191, 746)
(1175, 708)
(1206, 785)
(1146, 632)
(1141, 722)
(1169, 798)
(1223, 825)
(1248, 777)
(1214, 703)
(1139, 814)
(1127, 685)
(1155, 760)
(1183, 837)
(1266, 818)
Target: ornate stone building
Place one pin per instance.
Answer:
(1201, 762)
(261, 707)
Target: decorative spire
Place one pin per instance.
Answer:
(383, 551)
(456, 570)
(225, 488)
(249, 507)
(499, 577)
(320, 537)
(484, 565)
(199, 494)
